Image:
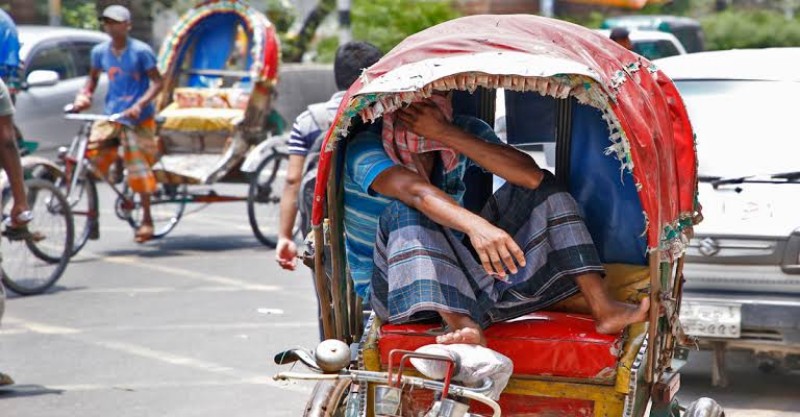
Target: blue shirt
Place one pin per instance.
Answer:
(365, 159)
(127, 75)
(9, 50)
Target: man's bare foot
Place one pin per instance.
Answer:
(620, 315)
(144, 233)
(466, 335)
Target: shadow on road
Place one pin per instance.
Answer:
(179, 245)
(29, 390)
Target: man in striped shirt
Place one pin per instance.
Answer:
(351, 59)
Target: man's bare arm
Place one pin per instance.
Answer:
(286, 251)
(493, 245)
(518, 168)
(84, 98)
(156, 84)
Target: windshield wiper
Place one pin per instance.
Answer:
(731, 180)
(788, 176)
(781, 178)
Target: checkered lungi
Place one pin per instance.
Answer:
(422, 267)
(140, 151)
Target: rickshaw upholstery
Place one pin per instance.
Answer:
(200, 109)
(561, 342)
(198, 136)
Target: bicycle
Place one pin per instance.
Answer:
(80, 189)
(35, 256)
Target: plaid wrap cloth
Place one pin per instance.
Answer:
(140, 151)
(401, 144)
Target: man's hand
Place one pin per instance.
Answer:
(81, 103)
(425, 119)
(496, 249)
(133, 112)
(286, 254)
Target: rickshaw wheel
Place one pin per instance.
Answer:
(83, 202)
(704, 407)
(167, 204)
(264, 196)
(329, 399)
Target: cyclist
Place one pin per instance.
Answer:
(11, 164)
(351, 59)
(134, 81)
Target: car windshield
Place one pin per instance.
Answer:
(655, 49)
(743, 127)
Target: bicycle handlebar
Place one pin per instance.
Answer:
(71, 114)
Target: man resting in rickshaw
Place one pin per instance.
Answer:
(528, 249)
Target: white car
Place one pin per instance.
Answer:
(56, 63)
(743, 265)
(652, 44)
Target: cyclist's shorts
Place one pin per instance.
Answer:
(140, 151)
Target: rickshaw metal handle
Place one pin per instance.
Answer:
(408, 354)
(477, 394)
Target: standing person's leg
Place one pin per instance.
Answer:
(5, 379)
(140, 153)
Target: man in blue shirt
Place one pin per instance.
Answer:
(9, 53)
(416, 254)
(134, 81)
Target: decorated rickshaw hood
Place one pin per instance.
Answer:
(264, 48)
(649, 129)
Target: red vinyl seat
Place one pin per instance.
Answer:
(540, 344)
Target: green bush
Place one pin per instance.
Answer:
(385, 23)
(750, 29)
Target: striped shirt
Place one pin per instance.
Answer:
(365, 159)
(306, 130)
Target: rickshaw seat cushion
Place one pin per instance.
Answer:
(200, 119)
(210, 98)
(545, 343)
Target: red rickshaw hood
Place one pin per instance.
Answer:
(648, 124)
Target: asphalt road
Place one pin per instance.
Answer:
(188, 326)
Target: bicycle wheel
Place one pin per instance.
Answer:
(83, 202)
(264, 197)
(167, 204)
(32, 263)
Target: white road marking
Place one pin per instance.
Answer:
(139, 386)
(153, 354)
(20, 326)
(217, 279)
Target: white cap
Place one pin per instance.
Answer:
(118, 13)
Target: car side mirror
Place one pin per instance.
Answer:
(42, 78)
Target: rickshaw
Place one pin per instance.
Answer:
(616, 132)
(220, 68)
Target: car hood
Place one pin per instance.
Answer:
(749, 209)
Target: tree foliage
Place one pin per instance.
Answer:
(750, 29)
(386, 22)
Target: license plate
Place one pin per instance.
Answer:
(711, 319)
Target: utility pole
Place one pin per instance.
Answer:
(343, 7)
(546, 7)
(54, 12)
